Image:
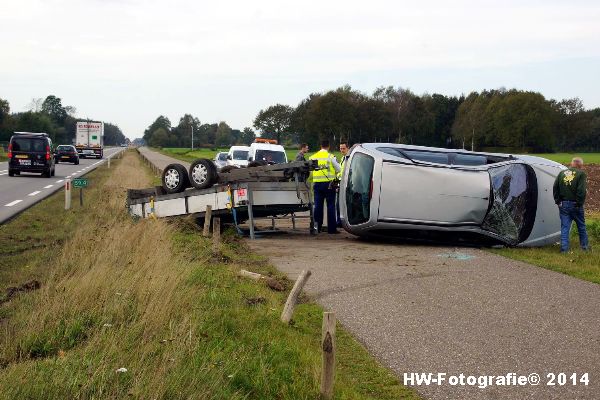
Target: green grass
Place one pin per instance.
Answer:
(150, 296)
(565, 158)
(3, 156)
(577, 263)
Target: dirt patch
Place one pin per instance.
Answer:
(14, 290)
(592, 202)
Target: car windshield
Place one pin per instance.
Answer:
(270, 156)
(514, 190)
(28, 144)
(240, 154)
(358, 189)
(222, 157)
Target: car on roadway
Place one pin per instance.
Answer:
(237, 156)
(220, 160)
(266, 151)
(66, 153)
(30, 152)
(413, 192)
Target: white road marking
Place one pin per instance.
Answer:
(12, 203)
(4, 170)
(78, 172)
(48, 187)
(34, 193)
(59, 181)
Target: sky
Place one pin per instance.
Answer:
(129, 61)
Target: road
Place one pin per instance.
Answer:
(18, 193)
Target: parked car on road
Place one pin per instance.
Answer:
(220, 160)
(393, 190)
(238, 156)
(30, 152)
(66, 153)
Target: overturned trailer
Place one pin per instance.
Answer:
(236, 196)
(392, 190)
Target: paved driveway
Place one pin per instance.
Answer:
(447, 310)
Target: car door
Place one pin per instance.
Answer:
(433, 193)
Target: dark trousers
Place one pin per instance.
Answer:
(569, 212)
(324, 193)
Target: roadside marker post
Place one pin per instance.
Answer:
(108, 161)
(67, 194)
(328, 357)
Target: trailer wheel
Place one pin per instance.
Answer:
(174, 178)
(203, 173)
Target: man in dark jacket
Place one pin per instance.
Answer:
(301, 156)
(569, 195)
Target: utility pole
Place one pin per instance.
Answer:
(192, 137)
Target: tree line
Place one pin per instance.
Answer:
(50, 116)
(494, 120)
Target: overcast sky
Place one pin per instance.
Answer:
(128, 61)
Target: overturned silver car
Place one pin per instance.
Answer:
(426, 193)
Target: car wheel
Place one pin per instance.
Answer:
(47, 173)
(56, 161)
(174, 178)
(203, 173)
(53, 171)
(11, 172)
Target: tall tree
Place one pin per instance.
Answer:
(52, 107)
(274, 121)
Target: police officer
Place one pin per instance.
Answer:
(323, 189)
(344, 150)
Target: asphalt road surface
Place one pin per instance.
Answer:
(18, 193)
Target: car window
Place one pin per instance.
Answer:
(358, 189)
(468, 159)
(427, 156)
(392, 151)
(240, 155)
(29, 144)
(222, 157)
(64, 148)
(514, 203)
(270, 156)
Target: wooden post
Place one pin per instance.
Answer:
(292, 300)
(108, 161)
(216, 234)
(328, 357)
(207, 218)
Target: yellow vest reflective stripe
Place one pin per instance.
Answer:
(326, 173)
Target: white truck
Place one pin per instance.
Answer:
(89, 139)
(267, 151)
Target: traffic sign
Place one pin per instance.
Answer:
(79, 183)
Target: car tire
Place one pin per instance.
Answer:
(175, 178)
(53, 171)
(11, 172)
(202, 173)
(76, 162)
(56, 161)
(47, 173)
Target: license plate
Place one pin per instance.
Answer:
(21, 156)
(25, 162)
(65, 157)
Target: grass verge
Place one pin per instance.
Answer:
(577, 263)
(149, 296)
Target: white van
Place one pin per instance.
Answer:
(238, 156)
(268, 151)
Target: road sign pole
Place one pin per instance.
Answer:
(81, 196)
(67, 194)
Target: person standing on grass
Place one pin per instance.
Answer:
(569, 195)
(301, 156)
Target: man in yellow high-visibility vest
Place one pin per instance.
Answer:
(322, 187)
(344, 150)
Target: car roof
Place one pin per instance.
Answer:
(375, 146)
(31, 134)
(239, 148)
